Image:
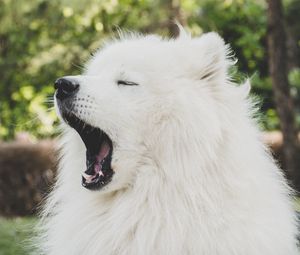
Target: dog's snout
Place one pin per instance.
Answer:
(65, 88)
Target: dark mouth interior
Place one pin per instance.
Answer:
(98, 153)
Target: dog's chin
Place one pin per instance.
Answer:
(99, 149)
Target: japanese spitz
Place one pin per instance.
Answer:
(161, 155)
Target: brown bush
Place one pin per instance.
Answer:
(26, 172)
(274, 140)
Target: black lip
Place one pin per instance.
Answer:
(93, 138)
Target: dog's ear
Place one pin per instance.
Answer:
(210, 57)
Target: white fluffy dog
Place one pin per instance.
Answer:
(161, 155)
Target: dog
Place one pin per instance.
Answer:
(161, 154)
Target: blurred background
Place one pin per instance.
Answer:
(41, 40)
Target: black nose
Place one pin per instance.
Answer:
(65, 88)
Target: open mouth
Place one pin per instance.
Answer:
(98, 153)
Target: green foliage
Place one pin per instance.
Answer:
(41, 40)
(15, 234)
(242, 23)
(294, 80)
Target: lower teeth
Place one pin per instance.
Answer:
(90, 178)
(87, 177)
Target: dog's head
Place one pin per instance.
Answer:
(129, 94)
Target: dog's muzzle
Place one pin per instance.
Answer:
(99, 146)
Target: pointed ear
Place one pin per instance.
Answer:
(210, 57)
(183, 34)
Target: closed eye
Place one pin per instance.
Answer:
(127, 83)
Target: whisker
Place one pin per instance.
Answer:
(79, 66)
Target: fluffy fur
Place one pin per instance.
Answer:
(191, 173)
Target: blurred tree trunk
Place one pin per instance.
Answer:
(293, 34)
(283, 100)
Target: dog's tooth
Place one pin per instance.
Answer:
(87, 176)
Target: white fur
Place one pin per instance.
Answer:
(191, 173)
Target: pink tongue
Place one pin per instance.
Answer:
(103, 152)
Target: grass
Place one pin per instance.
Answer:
(14, 234)
(297, 204)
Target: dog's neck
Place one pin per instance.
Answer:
(182, 170)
